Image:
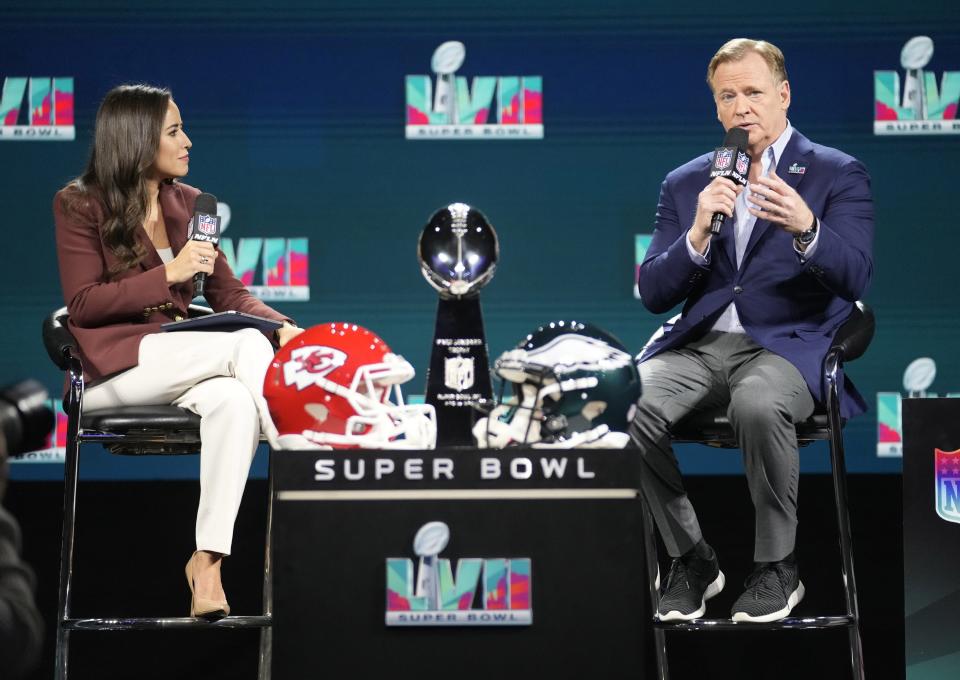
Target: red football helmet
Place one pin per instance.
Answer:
(330, 387)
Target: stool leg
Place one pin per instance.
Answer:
(653, 573)
(70, 471)
(266, 633)
(839, 470)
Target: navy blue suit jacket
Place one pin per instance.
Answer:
(789, 306)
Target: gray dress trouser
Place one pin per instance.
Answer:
(765, 395)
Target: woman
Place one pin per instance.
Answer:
(126, 267)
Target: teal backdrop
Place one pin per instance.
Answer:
(297, 113)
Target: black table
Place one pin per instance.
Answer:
(542, 573)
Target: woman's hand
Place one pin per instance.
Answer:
(287, 332)
(196, 256)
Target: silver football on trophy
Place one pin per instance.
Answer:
(458, 251)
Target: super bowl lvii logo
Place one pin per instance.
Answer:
(440, 599)
(455, 109)
(49, 110)
(917, 379)
(920, 107)
(282, 263)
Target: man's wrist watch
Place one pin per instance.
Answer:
(805, 238)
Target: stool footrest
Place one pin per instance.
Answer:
(177, 622)
(790, 623)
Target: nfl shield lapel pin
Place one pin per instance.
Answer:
(797, 169)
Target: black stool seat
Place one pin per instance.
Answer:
(713, 429)
(143, 430)
(171, 420)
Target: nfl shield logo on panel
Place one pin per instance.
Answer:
(458, 373)
(207, 224)
(947, 474)
(743, 162)
(723, 159)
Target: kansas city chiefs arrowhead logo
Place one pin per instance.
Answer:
(310, 363)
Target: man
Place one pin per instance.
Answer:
(761, 302)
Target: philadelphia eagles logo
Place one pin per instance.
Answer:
(568, 353)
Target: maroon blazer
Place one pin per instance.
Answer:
(110, 315)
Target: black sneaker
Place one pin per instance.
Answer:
(690, 582)
(772, 591)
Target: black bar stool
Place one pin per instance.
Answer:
(134, 431)
(713, 428)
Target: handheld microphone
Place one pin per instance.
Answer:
(730, 160)
(205, 226)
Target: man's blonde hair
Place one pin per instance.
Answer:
(738, 48)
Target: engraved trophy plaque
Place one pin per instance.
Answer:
(458, 253)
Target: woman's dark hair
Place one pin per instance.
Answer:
(125, 144)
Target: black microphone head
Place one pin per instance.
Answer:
(206, 203)
(737, 137)
(205, 225)
(732, 160)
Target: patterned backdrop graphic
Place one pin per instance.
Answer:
(301, 116)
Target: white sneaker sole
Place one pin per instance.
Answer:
(712, 590)
(792, 602)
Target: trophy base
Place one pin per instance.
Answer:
(458, 379)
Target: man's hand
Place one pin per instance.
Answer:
(719, 196)
(774, 200)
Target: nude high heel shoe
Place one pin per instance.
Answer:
(202, 607)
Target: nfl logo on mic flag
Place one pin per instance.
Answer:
(947, 481)
(723, 159)
(207, 224)
(743, 162)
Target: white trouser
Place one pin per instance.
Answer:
(218, 376)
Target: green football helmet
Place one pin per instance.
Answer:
(571, 385)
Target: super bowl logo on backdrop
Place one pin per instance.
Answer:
(456, 109)
(281, 262)
(922, 108)
(947, 473)
(54, 449)
(641, 244)
(48, 114)
(917, 379)
(440, 599)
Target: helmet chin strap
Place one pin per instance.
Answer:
(410, 427)
(495, 433)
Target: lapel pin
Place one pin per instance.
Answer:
(797, 169)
